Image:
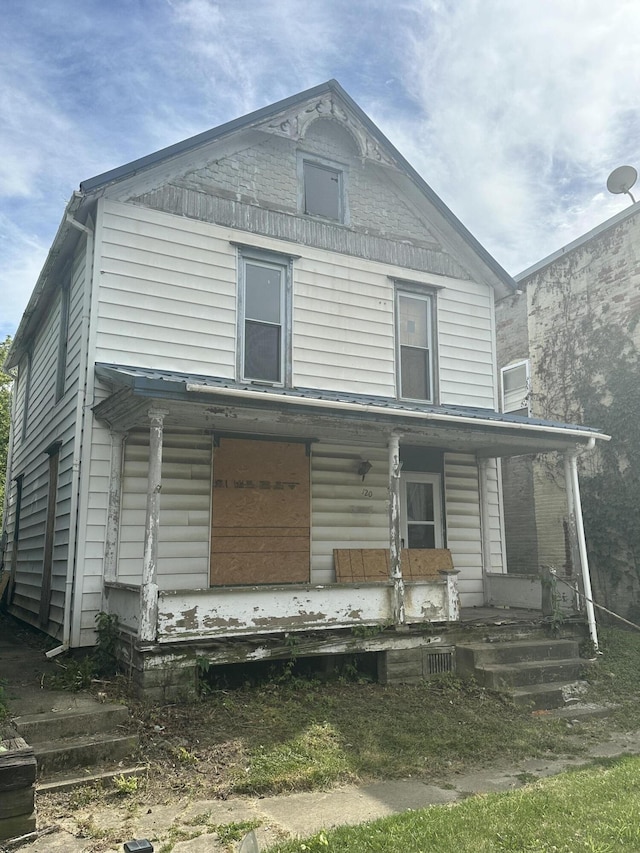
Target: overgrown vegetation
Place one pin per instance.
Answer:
(588, 370)
(593, 810)
(80, 673)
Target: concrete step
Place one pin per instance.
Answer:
(470, 655)
(505, 676)
(51, 725)
(538, 697)
(68, 781)
(67, 753)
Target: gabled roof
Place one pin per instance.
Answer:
(128, 170)
(465, 246)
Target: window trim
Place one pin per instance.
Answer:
(329, 165)
(248, 254)
(428, 294)
(527, 397)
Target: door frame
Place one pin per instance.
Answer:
(422, 477)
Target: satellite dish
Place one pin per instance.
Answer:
(621, 180)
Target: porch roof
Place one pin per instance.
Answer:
(223, 405)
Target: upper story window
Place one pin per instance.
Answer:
(264, 331)
(415, 336)
(322, 189)
(516, 386)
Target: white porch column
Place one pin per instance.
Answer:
(395, 567)
(576, 522)
(113, 513)
(149, 586)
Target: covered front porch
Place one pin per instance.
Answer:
(290, 513)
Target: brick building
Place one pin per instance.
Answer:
(574, 311)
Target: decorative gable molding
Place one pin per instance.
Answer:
(294, 124)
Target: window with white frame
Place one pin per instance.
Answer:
(516, 387)
(264, 317)
(322, 189)
(415, 344)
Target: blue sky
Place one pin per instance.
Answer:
(514, 111)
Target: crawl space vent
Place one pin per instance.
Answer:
(437, 662)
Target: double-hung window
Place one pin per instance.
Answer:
(264, 318)
(415, 345)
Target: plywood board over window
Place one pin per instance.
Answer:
(261, 513)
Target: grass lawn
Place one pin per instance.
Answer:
(297, 735)
(595, 810)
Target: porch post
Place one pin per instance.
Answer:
(113, 513)
(395, 567)
(149, 586)
(575, 519)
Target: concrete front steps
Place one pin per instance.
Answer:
(84, 738)
(536, 673)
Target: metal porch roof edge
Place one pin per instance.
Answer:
(130, 169)
(177, 385)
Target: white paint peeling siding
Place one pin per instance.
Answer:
(185, 510)
(462, 508)
(345, 511)
(168, 301)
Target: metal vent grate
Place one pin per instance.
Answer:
(437, 662)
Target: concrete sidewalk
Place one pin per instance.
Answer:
(296, 815)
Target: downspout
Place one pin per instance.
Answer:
(79, 439)
(582, 543)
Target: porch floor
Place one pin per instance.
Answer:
(497, 615)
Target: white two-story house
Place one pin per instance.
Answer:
(256, 396)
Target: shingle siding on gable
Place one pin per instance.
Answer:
(257, 189)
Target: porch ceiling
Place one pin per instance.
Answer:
(220, 406)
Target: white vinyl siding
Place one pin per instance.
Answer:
(495, 517)
(185, 510)
(346, 511)
(466, 345)
(462, 511)
(168, 302)
(47, 422)
(168, 293)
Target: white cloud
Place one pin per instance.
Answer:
(514, 111)
(526, 106)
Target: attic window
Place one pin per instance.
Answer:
(323, 191)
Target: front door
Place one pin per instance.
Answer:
(421, 511)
